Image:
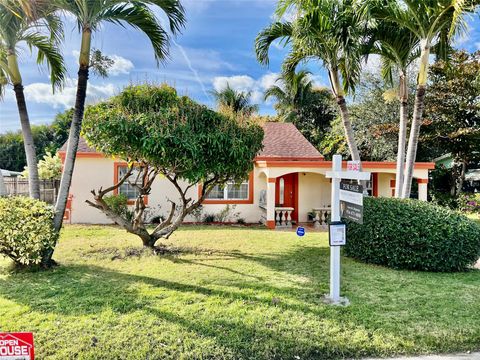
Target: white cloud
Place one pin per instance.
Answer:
(120, 65)
(42, 93)
(247, 83)
(477, 45)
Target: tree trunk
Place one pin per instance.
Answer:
(30, 153)
(461, 178)
(416, 122)
(72, 146)
(33, 180)
(3, 188)
(75, 127)
(402, 135)
(347, 125)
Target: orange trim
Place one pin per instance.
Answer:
(289, 158)
(393, 192)
(270, 224)
(328, 164)
(422, 181)
(393, 182)
(83, 154)
(116, 165)
(272, 180)
(375, 184)
(246, 201)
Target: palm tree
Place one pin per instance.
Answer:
(16, 28)
(89, 15)
(291, 94)
(434, 23)
(236, 101)
(331, 31)
(398, 48)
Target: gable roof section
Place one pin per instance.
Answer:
(82, 147)
(283, 141)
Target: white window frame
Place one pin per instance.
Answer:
(225, 191)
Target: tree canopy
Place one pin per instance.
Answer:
(160, 132)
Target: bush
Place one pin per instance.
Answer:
(119, 205)
(411, 234)
(469, 203)
(26, 230)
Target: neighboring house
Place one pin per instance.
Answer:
(10, 173)
(472, 176)
(288, 180)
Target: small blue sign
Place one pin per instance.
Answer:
(300, 231)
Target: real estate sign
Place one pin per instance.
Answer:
(16, 346)
(351, 201)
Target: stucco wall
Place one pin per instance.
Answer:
(313, 190)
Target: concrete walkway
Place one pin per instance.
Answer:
(460, 356)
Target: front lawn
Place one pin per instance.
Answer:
(230, 293)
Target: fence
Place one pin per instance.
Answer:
(19, 186)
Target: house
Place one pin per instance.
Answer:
(472, 176)
(287, 183)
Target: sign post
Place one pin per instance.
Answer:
(337, 175)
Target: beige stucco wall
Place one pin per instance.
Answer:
(313, 190)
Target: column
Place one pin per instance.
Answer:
(422, 189)
(271, 203)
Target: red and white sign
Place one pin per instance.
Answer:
(16, 346)
(353, 165)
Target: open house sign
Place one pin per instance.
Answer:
(16, 346)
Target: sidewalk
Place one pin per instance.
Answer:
(459, 356)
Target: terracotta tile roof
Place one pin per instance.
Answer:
(281, 141)
(82, 147)
(284, 141)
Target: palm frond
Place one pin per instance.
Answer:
(281, 31)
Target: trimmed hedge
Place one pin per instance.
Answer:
(26, 229)
(415, 235)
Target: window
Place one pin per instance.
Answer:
(230, 191)
(131, 192)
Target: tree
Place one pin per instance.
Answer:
(47, 138)
(232, 100)
(398, 48)
(434, 23)
(452, 108)
(17, 27)
(331, 31)
(49, 168)
(158, 132)
(299, 102)
(90, 14)
(374, 115)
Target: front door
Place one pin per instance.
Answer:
(286, 193)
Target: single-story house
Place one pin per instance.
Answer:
(287, 183)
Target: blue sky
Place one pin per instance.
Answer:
(215, 47)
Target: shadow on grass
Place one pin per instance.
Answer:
(76, 290)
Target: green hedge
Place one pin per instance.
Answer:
(411, 234)
(26, 229)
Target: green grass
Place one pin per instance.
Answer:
(230, 293)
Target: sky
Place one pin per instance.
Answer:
(216, 47)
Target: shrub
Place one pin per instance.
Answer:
(26, 230)
(411, 234)
(119, 205)
(469, 203)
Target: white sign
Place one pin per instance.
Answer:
(351, 197)
(337, 234)
(353, 165)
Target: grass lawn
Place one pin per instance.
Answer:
(230, 293)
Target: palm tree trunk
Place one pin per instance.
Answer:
(74, 134)
(30, 153)
(347, 125)
(402, 135)
(416, 122)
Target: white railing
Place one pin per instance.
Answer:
(322, 215)
(283, 217)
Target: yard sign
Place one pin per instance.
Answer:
(337, 175)
(16, 346)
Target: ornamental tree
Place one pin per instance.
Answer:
(160, 133)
